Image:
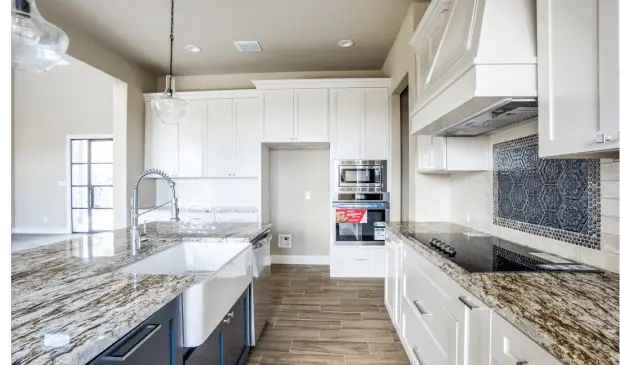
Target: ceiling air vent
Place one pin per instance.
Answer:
(248, 46)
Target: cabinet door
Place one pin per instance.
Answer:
(161, 143)
(190, 140)
(247, 138)
(570, 92)
(219, 138)
(155, 341)
(509, 346)
(390, 266)
(236, 332)
(277, 115)
(312, 115)
(609, 69)
(210, 351)
(348, 111)
(376, 130)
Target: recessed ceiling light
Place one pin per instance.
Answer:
(346, 43)
(192, 48)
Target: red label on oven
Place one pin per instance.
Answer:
(351, 216)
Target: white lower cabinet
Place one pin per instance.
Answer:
(357, 261)
(441, 323)
(509, 346)
(393, 279)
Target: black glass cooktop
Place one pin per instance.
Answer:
(476, 252)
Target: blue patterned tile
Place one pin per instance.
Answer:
(534, 183)
(550, 170)
(551, 198)
(555, 198)
(572, 215)
(533, 210)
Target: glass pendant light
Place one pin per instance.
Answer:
(169, 108)
(36, 44)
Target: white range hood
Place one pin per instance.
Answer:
(475, 67)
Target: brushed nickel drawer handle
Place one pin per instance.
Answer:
(417, 356)
(361, 259)
(522, 363)
(418, 306)
(473, 307)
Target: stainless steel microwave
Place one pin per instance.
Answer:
(360, 175)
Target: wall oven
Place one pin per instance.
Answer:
(360, 175)
(360, 218)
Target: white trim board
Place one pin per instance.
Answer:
(299, 260)
(40, 230)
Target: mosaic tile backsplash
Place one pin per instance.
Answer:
(554, 198)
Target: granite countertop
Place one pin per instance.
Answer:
(574, 316)
(68, 302)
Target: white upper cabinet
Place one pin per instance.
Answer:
(161, 143)
(191, 135)
(311, 115)
(453, 154)
(360, 123)
(578, 81)
(295, 115)
(232, 136)
(247, 138)
(277, 115)
(219, 138)
(348, 112)
(376, 138)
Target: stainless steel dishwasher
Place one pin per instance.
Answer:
(260, 293)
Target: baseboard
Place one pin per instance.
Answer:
(299, 260)
(39, 230)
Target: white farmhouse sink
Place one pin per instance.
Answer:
(207, 302)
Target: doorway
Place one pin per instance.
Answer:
(404, 155)
(91, 174)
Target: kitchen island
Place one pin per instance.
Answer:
(571, 315)
(70, 302)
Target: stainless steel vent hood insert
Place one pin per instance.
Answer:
(510, 113)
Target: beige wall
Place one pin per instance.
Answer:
(68, 100)
(244, 81)
(129, 131)
(472, 196)
(292, 173)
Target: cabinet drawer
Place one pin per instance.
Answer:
(357, 262)
(236, 217)
(417, 340)
(509, 346)
(429, 303)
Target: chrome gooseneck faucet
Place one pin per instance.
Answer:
(135, 231)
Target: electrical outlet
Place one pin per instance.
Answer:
(285, 240)
(467, 217)
(307, 195)
(44, 219)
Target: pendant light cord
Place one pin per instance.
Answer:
(171, 34)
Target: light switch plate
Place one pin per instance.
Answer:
(307, 195)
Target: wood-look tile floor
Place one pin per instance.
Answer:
(320, 320)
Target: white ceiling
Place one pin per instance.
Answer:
(296, 35)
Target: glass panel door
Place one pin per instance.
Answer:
(92, 175)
